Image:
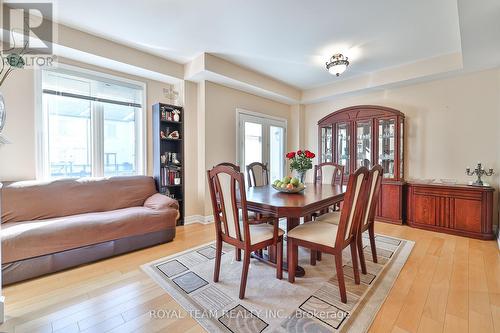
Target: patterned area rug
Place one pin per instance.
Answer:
(311, 304)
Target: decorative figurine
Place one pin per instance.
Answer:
(177, 115)
(163, 159)
(162, 135)
(174, 135)
(479, 172)
(174, 159)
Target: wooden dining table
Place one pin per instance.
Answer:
(292, 206)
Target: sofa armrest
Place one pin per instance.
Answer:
(161, 202)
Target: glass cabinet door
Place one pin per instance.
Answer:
(343, 140)
(401, 148)
(387, 145)
(326, 144)
(364, 144)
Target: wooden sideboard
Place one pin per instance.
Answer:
(455, 209)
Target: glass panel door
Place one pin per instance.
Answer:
(326, 144)
(276, 152)
(253, 143)
(386, 146)
(364, 144)
(343, 140)
(262, 140)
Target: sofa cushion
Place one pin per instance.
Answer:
(37, 200)
(21, 240)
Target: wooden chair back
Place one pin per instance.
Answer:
(329, 173)
(373, 186)
(234, 166)
(258, 174)
(227, 191)
(354, 207)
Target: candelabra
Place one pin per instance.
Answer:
(479, 172)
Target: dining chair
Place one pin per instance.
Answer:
(333, 238)
(232, 225)
(258, 174)
(368, 220)
(326, 173)
(229, 164)
(237, 251)
(329, 173)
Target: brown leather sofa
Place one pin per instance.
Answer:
(51, 226)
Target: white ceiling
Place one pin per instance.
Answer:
(288, 40)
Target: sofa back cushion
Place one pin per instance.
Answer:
(36, 200)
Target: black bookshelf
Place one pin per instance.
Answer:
(168, 153)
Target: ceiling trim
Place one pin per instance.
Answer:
(211, 68)
(103, 48)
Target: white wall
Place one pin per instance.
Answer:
(450, 124)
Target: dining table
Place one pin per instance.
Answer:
(292, 206)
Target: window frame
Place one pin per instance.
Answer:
(41, 124)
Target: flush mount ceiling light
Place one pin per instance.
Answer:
(337, 64)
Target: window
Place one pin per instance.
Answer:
(90, 125)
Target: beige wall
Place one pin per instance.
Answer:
(194, 201)
(18, 160)
(450, 124)
(220, 124)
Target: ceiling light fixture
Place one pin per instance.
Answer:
(337, 64)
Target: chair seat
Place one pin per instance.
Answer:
(315, 232)
(332, 218)
(262, 232)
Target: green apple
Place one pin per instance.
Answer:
(283, 185)
(276, 182)
(295, 181)
(300, 185)
(286, 179)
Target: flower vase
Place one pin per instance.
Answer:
(302, 176)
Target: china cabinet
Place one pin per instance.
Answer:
(365, 135)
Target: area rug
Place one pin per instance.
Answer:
(311, 304)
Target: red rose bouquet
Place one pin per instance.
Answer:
(300, 161)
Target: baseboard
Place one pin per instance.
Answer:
(498, 238)
(198, 219)
(2, 307)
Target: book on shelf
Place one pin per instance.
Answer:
(170, 176)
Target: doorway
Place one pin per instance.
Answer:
(261, 139)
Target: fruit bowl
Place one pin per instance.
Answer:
(288, 185)
(285, 190)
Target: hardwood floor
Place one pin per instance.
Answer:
(449, 284)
